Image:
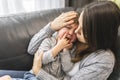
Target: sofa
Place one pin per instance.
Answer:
(15, 34)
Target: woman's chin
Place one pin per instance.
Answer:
(81, 41)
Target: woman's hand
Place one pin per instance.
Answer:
(37, 63)
(63, 20)
(6, 77)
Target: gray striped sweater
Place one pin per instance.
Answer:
(57, 66)
(96, 66)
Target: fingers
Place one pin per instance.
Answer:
(37, 63)
(63, 20)
(59, 38)
(38, 56)
(69, 45)
(64, 36)
(70, 17)
(68, 23)
(41, 55)
(70, 13)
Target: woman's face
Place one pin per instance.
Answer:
(79, 30)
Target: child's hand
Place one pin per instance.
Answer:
(69, 46)
(63, 42)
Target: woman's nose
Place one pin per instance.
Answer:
(76, 31)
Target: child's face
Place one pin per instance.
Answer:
(70, 29)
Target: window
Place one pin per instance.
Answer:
(19, 6)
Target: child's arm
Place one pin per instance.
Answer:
(46, 47)
(67, 65)
(50, 52)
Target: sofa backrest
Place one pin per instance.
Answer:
(15, 34)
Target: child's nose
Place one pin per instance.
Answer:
(71, 32)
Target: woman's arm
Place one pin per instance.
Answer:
(94, 67)
(59, 22)
(38, 38)
(37, 70)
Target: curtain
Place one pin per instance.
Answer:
(79, 3)
(117, 2)
(19, 6)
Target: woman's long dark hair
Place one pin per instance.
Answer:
(100, 26)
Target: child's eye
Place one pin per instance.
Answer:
(68, 27)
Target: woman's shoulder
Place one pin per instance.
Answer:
(97, 65)
(100, 57)
(103, 54)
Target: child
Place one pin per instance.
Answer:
(58, 50)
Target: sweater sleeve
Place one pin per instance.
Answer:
(42, 75)
(46, 47)
(94, 67)
(38, 38)
(67, 65)
(97, 67)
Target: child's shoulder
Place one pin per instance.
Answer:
(50, 40)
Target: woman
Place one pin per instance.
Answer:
(98, 28)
